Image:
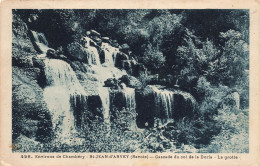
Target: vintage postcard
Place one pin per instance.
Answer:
(136, 83)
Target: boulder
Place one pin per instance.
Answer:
(120, 58)
(94, 33)
(97, 40)
(125, 46)
(33, 18)
(102, 56)
(105, 39)
(131, 81)
(51, 53)
(88, 33)
(77, 52)
(114, 43)
(111, 82)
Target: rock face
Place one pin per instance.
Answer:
(31, 117)
(22, 47)
(145, 108)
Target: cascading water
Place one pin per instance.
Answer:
(105, 71)
(110, 54)
(164, 102)
(104, 96)
(62, 86)
(40, 41)
(93, 56)
(129, 94)
(92, 53)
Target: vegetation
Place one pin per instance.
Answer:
(205, 51)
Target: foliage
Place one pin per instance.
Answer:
(234, 59)
(208, 57)
(234, 136)
(153, 58)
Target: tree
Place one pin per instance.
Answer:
(153, 58)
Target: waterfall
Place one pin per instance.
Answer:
(92, 53)
(103, 72)
(93, 56)
(104, 96)
(129, 94)
(62, 86)
(40, 41)
(164, 101)
(110, 54)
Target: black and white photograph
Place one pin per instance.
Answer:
(130, 80)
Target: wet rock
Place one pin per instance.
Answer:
(38, 62)
(51, 53)
(102, 56)
(114, 43)
(117, 98)
(97, 40)
(105, 39)
(120, 58)
(94, 33)
(111, 82)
